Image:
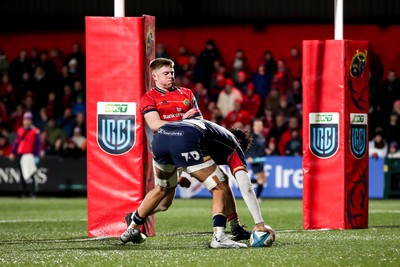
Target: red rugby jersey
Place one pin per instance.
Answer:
(171, 105)
(30, 142)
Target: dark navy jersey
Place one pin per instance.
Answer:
(193, 141)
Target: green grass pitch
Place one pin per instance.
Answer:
(53, 232)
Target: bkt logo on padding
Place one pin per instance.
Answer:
(324, 134)
(358, 134)
(116, 124)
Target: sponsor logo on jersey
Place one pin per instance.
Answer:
(324, 134)
(116, 127)
(357, 64)
(358, 134)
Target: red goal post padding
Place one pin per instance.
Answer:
(119, 167)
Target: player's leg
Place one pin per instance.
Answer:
(237, 230)
(214, 180)
(261, 178)
(166, 181)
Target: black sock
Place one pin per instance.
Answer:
(259, 190)
(137, 219)
(219, 220)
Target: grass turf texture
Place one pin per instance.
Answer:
(53, 232)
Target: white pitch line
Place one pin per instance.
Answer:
(40, 220)
(385, 211)
(55, 240)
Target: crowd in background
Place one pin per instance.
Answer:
(229, 92)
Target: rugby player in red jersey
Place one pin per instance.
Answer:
(165, 103)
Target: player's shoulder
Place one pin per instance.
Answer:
(184, 89)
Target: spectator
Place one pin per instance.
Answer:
(41, 86)
(26, 148)
(8, 95)
(218, 79)
(25, 86)
(227, 98)
(286, 108)
(161, 51)
(57, 58)
(251, 101)
(288, 135)
(282, 78)
(269, 62)
(237, 116)
(79, 57)
(205, 62)
(295, 95)
(392, 130)
(40, 120)
(81, 122)
(79, 106)
(389, 93)
(201, 95)
(240, 64)
(74, 72)
(377, 146)
(295, 64)
(67, 97)
(272, 150)
(269, 120)
(54, 132)
(79, 139)
(279, 128)
(242, 81)
(294, 146)
(262, 81)
(394, 152)
(273, 100)
(53, 106)
(255, 156)
(18, 66)
(183, 58)
(4, 64)
(57, 149)
(48, 65)
(67, 122)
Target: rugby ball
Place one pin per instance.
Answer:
(260, 239)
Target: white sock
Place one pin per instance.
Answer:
(219, 233)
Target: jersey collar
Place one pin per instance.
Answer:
(163, 91)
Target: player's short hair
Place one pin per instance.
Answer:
(244, 138)
(160, 62)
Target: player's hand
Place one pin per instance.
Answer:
(11, 157)
(261, 227)
(190, 113)
(184, 182)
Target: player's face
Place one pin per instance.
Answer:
(164, 77)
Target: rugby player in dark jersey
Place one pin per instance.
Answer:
(199, 146)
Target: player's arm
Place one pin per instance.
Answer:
(153, 120)
(238, 168)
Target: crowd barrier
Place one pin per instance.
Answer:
(284, 178)
(54, 175)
